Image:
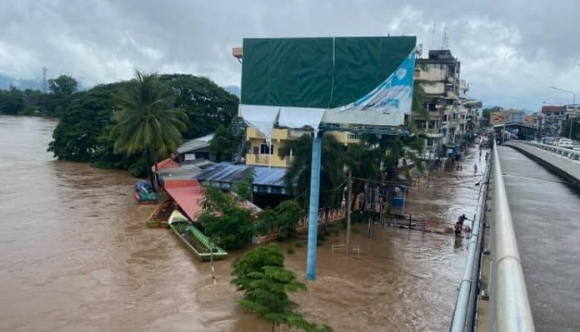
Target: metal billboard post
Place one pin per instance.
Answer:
(313, 208)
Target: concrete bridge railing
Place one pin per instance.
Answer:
(510, 306)
(565, 162)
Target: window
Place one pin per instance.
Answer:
(265, 149)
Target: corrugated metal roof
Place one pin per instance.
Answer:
(223, 172)
(269, 176)
(195, 144)
(227, 172)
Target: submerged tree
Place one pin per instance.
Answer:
(147, 120)
(225, 219)
(266, 284)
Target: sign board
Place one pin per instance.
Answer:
(301, 82)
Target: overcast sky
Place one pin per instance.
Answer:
(511, 51)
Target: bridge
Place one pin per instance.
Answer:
(523, 268)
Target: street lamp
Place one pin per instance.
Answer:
(572, 92)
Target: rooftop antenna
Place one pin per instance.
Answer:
(44, 71)
(445, 42)
(433, 37)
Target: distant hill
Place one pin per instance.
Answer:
(6, 81)
(235, 90)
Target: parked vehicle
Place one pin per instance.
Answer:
(565, 143)
(549, 140)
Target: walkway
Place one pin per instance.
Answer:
(546, 216)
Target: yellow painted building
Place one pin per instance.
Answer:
(276, 155)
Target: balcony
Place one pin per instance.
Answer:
(277, 134)
(252, 132)
(433, 133)
(267, 160)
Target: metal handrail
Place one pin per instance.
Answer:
(510, 307)
(569, 153)
(463, 316)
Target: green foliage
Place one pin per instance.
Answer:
(63, 85)
(11, 101)
(76, 137)
(283, 218)
(266, 284)
(487, 111)
(244, 188)
(225, 219)
(290, 251)
(298, 244)
(147, 120)
(222, 144)
(253, 261)
(85, 130)
(331, 174)
(207, 105)
(33, 102)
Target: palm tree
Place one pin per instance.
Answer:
(147, 120)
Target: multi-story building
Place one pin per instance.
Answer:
(497, 118)
(278, 153)
(438, 76)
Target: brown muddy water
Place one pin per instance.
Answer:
(75, 255)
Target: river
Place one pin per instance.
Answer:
(75, 255)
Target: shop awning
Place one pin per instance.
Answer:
(188, 194)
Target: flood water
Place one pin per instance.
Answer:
(75, 255)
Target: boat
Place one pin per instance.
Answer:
(160, 217)
(194, 239)
(144, 193)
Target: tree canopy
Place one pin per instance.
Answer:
(147, 121)
(63, 85)
(225, 219)
(266, 284)
(86, 118)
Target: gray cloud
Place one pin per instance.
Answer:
(511, 51)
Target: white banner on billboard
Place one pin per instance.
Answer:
(393, 95)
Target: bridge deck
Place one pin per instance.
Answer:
(546, 216)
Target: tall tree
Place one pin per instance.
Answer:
(11, 101)
(206, 104)
(63, 85)
(222, 144)
(147, 120)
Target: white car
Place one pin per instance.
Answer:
(565, 143)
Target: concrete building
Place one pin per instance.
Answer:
(497, 118)
(438, 76)
(515, 116)
(278, 154)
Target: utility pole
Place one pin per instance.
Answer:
(348, 208)
(44, 85)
